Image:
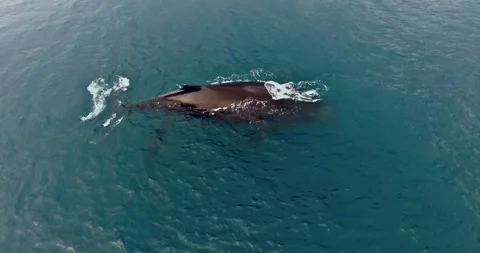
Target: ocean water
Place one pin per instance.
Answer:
(393, 164)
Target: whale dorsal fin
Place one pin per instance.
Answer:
(190, 88)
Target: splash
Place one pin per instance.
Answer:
(287, 91)
(100, 91)
(307, 91)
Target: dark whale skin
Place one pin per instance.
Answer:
(235, 101)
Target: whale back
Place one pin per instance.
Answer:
(208, 97)
(236, 102)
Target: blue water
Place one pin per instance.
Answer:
(393, 165)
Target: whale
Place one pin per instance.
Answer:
(234, 101)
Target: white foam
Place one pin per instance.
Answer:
(67, 249)
(288, 91)
(107, 122)
(121, 84)
(100, 90)
(119, 244)
(118, 121)
(99, 94)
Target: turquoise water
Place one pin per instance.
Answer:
(392, 166)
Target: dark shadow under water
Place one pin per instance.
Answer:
(249, 127)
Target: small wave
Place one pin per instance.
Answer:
(255, 74)
(100, 91)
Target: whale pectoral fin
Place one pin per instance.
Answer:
(161, 132)
(260, 131)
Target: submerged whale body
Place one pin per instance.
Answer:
(242, 101)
